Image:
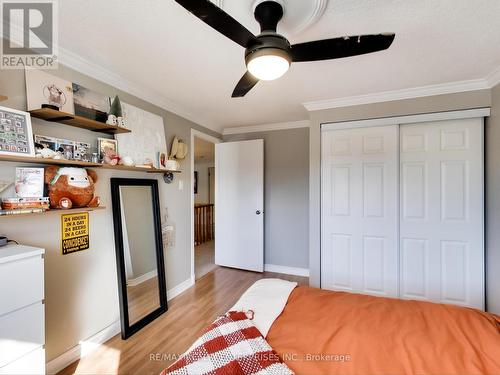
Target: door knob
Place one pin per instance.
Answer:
(258, 212)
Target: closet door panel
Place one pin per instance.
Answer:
(359, 210)
(441, 228)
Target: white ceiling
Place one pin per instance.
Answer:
(161, 48)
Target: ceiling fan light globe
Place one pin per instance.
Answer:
(268, 65)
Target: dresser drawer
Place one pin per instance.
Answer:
(21, 283)
(21, 332)
(31, 363)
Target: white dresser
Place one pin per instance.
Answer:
(22, 318)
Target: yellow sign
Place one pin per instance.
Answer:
(74, 232)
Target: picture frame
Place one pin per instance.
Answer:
(49, 142)
(162, 158)
(102, 143)
(82, 150)
(16, 133)
(43, 88)
(68, 148)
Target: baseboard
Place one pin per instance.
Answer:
(82, 349)
(87, 346)
(287, 270)
(178, 289)
(142, 278)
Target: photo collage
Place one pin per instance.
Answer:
(13, 133)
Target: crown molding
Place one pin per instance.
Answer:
(494, 78)
(91, 69)
(267, 127)
(387, 96)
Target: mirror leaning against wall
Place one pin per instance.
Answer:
(139, 252)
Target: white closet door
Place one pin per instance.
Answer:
(442, 212)
(359, 235)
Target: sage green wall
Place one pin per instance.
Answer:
(430, 104)
(492, 155)
(286, 195)
(81, 289)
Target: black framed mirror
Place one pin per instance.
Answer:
(139, 252)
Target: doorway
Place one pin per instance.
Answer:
(203, 203)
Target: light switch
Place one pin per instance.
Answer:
(181, 185)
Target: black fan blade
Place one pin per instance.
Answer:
(341, 47)
(215, 17)
(246, 83)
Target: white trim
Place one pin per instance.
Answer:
(79, 351)
(91, 69)
(399, 120)
(215, 140)
(267, 127)
(88, 345)
(286, 270)
(494, 78)
(388, 96)
(180, 288)
(142, 278)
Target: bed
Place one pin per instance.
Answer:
(323, 332)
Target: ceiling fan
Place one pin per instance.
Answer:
(269, 54)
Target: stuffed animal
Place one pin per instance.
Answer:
(71, 187)
(110, 156)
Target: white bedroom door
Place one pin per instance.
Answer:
(359, 225)
(442, 250)
(239, 212)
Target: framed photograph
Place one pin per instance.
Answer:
(82, 150)
(106, 143)
(68, 148)
(16, 134)
(49, 142)
(44, 88)
(90, 104)
(161, 160)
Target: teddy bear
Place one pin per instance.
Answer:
(71, 187)
(111, 157)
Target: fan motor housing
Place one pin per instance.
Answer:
(270, 43)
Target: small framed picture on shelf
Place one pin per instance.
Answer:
(82, 150)
(68, 148)
(48, 142)
(106, 143)
(16, 134)
(161, 160)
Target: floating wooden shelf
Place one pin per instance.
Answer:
(3, 97)
(52, 115)
(27, 159)
(58, 211)
(136, 169)
(77, 163)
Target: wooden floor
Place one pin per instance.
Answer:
(204, 259)
(154, 347)
(142, 299)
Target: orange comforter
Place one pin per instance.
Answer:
(323, 332)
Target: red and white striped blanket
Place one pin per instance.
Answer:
(231, 345)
